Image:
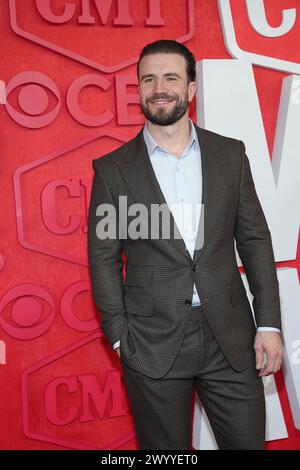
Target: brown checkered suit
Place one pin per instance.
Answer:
(152, 311)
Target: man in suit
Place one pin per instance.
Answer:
(182, 320)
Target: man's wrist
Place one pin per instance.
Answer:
(267, 328)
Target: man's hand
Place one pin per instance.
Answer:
(270, 343)
(118, 351)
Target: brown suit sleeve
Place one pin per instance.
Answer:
(254, 245)
(105, 263)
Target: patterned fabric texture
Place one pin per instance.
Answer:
(150, 312)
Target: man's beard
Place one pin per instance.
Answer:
(163, 117)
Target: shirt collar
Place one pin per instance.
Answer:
(152, 145)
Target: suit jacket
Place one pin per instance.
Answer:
(149, 312)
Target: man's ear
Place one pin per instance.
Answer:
(191, 90)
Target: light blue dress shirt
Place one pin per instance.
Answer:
(180, 180)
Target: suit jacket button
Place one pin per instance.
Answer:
(187, 302)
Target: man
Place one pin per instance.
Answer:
(182, 319)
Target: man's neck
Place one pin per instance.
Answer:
(172, 138)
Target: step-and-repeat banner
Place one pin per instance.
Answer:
(68, 94)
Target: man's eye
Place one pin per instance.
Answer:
(148, 80)
(172, 78)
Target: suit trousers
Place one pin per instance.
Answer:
(233, 401)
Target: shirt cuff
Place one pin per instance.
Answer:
(267, 328)
(116, 345)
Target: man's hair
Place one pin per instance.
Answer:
(169, 46)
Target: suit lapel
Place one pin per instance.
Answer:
(212, 159)
(140, 178)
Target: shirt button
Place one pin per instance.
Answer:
(177, 169)
(182, 199)
(187, 302)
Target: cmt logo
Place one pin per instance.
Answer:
(48, 200)
(265, 38)
(68, 400)
(112, 21)
(103, 9)
(277, 184)
(89, 395)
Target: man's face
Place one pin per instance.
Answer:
(164, 89)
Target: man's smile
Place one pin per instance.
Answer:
(161, 102)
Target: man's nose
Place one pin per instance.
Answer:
(159, 86)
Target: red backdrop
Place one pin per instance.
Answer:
(71, 97)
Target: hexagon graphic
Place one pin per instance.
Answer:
(180, 25)
(73, 434)
(21, 198)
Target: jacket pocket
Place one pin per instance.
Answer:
(138, 301)
(138, 277)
